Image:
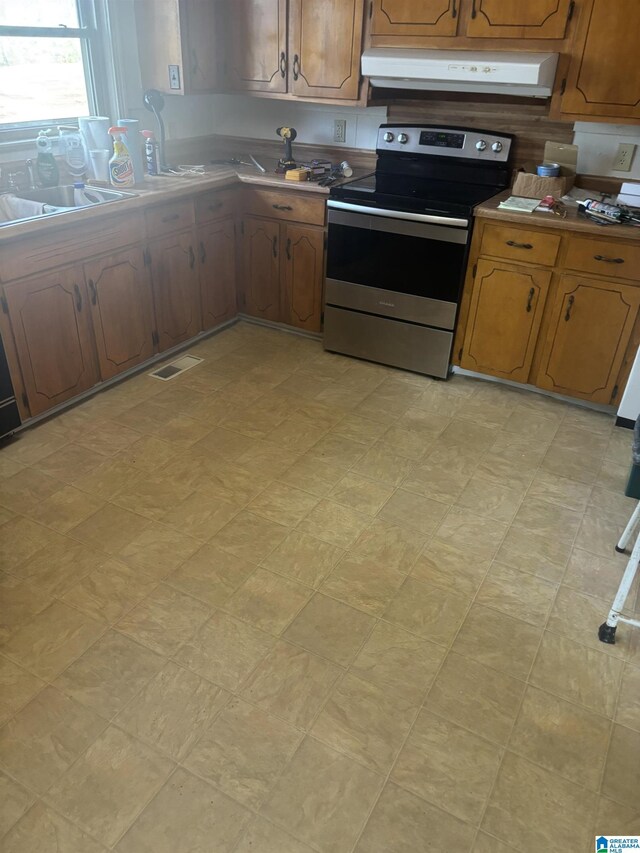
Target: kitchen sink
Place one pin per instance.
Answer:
(17, 205)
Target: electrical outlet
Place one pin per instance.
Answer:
(624, 157)
(340, 130)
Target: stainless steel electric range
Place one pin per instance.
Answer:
(399, 240)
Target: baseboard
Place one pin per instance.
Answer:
(625, 422)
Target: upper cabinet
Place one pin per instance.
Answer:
(180, 45)
(603, 79)
(304, 48)
(455, 23)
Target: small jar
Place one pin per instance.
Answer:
(548, 170)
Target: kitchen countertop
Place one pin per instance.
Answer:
(489, 210)
(165, 188)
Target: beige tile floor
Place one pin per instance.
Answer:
(291, 602)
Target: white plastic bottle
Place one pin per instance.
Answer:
(120, 166)
(83, 197)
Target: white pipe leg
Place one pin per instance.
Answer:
(628, 531)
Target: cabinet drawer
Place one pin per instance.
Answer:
(518, 244)
(293, 207)
(169, 218)
(602, 257)
(216, 204)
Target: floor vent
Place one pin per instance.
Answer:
(169, 371)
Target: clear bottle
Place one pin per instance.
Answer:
(120, 166)
(46, 166)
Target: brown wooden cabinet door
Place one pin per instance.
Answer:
(589, 329)
(504, 318)
(201, 26)
(49, 316)
(303, 262)
(257, 44)
(261, 268)
(176, 292)
(121, 309)
(217, 254)
(603, 78)
(415, 17)
(513, 19)
(325, 44)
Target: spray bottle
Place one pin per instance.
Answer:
(120, 166)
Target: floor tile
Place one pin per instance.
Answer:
(291, 683)
(480, 699)
(64, 509)
(447, 766)
(110, 674)
(457, 570)
(405, 442)
(490, 500)
(250, 537)
(109, 592)
(157, 550)
(559, 490)
(267, 838)
(268, 601)
(392, 546)
(282, 504)
(172, 711)
(14, 802)
(488, 844)
(20, 539)
(615, 819)
(20, 600)
(26, 488)
(437, 481)
(109, 478)
(199, 518)
(57, 567)
(577, 673)
(548, 520)
(363, 583)
(406, 509)
(621, 781)
(313, 474)
(361, 494)
(628, 711)
(427, 610)
(383, 466)
(17, 687)
(333, 523)
(579, 616)
(44, 830)
(532, 809)
(366, 722)
(323, 797)
(243, 752)
(43, 739)
(571, 464)
(562, 737)
(533, 553)
(402, 822)
(304, 558)
(339, 451)
(48, 643)
(360, 429)
(498, 641)
(212, 575)
(164, 620)
(147, 454)
(225, 650)
(600, 531)
(110, 529)
(107, 437)
(517, 594)
(465, 530)
(330, 629)
(107, 787)
(152, 497)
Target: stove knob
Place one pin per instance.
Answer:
(388, 137)
(481, 145)
(403, 138)
(497, 147)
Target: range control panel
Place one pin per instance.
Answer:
(445, 142)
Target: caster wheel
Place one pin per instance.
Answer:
(619, 550)
(607, 634)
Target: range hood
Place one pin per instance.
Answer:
(528, 75)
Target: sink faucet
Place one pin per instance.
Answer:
(31, 173)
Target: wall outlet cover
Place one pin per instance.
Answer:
(624, 157)
(340, 130)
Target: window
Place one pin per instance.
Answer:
(51, 62)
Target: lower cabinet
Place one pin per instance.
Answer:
(217, 257)
(504, 319)
(260, 288)
(122, 310)
(50, 318)
(589, 329)
(176, 293)
(303, 276)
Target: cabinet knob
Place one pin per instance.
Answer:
(296, 67)
(283, 64)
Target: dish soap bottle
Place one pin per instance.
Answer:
(46, 166)
(120, 166)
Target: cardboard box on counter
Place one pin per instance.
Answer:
(530, 185)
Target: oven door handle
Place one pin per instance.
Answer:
(452, 222)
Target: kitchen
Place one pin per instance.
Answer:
(312, 601)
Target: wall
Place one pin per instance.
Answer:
(598, 144)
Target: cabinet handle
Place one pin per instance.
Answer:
(296, 67)
(281, 207)
(214, 207)
(289, 248)
(192, 257)
(608, 260)
(515, 245)
(567, 316)
(171, 218)
(283, 64)
(76, 290)
(93, 292)
(203, 254)
(473, 9)
(454, 10)
(532, 293)
(274, 247)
